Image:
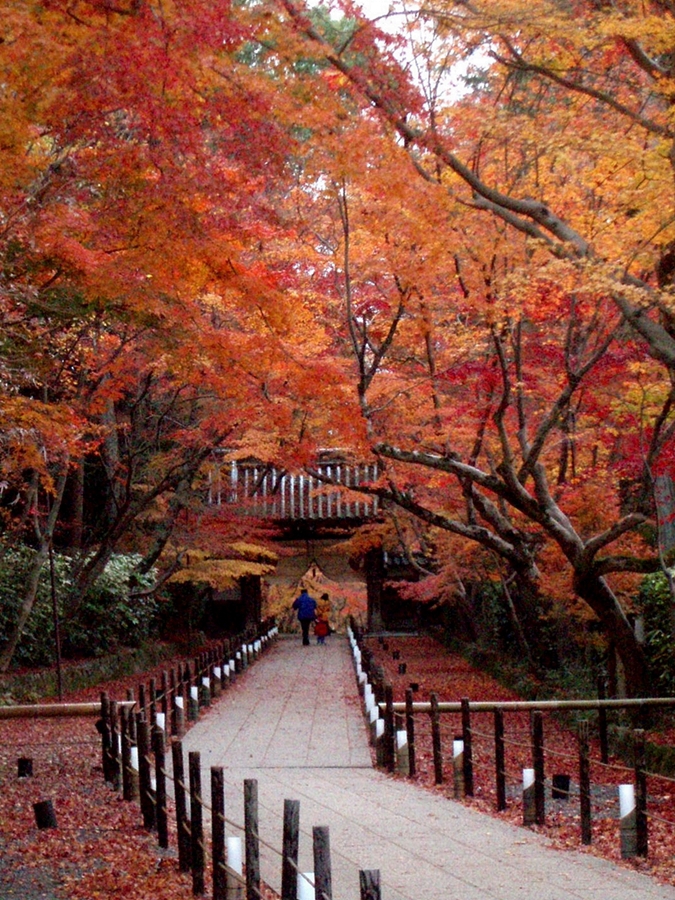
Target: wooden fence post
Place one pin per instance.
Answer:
(132, 719)
(103, 726)
(468, 747)
(641, 830)
(410, 731)
(165, 703)
(369, 881)
(127, 784)
(45, 816)
(141, 700)
(323, 887)
(500, 761)
(115, 754)
(152, 701)
(197, 683)
(252, 839)
(144, 782)
(172, 725)
(389, 729)
(436, 739)
(291, 842)
(602, 719)
(160, 776)
(584, 783)
(218, 833)
(196, 823)
(538, 765)
(182, 823)
(205, 687)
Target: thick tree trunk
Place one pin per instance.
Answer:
(599, 596)
(33, 579)
(77, 525)
(110, 455)
(26, 609)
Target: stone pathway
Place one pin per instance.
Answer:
(293, 722)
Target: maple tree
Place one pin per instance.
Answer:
(140, 329)
(249, 224)
(576, 244)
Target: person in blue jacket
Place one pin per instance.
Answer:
(306, 607)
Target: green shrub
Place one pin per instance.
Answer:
(657, 605)
(107, 616)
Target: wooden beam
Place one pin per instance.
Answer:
(54, 710)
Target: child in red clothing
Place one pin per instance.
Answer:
(321, 629)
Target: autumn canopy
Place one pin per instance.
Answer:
(443, 241)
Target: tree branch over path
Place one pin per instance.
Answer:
(530, 216)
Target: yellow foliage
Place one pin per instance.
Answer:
(219, 574)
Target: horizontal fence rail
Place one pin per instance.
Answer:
(452, 706)
(53, 710)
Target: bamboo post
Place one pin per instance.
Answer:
(402, 752)
(182, 823)
(197, 854)
(529, 807)
(235, 868)
(538, 765)
(410, 731)
(252, 839)
(436, 739)
(641, 830)
(369, 882)
(468, 747)
(500, 760)
(218, 833)
(323, 887)
(291, 843)
(584, 783)
(627, 821)
(458, 768)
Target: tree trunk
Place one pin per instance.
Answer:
(33, 579)
(515, 621)
(110, 456)
(599, 596)
(77, 525)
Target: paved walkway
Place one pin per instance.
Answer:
(293, 722)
